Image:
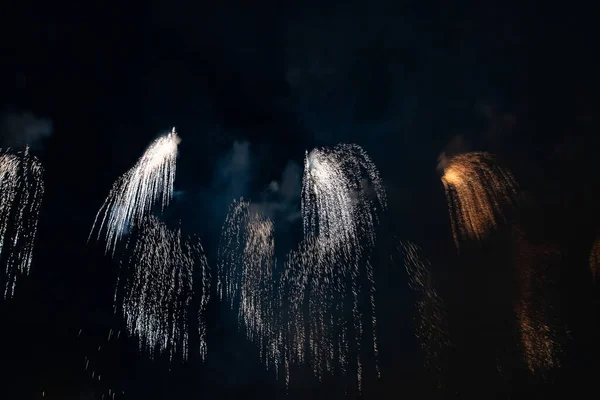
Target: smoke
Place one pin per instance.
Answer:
(234, 171)
(19, 129)
(281, 200)
(456, 146)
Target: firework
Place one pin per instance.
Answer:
(432, 329)
(477, 191)
(532, 309)
(341, 196)
(21, 191)
(595, 259)
(246, 263)
(301, 315)
(135, 193)
(158, 288)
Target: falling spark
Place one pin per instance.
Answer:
(301, 316)
(159, 287)
(432, 329)
(246, 262)
(134, 194)
(477, 191)
(342, 194)
(595, 259)
(538, 337)
(21, 191)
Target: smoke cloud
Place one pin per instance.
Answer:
(19, 129)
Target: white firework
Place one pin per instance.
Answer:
(299, 316)
(432, 330)
(246, 263)
(135, 193)
(158, 288)
(342, 196)
(21, 192)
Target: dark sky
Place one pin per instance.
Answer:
(251, 87)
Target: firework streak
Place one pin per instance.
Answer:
(538, 338)
(432, 329)
(246, 264)
(477, 191)
(134, 194)
(158, 287)
(595, 259)
(21, 192)
(323, 281)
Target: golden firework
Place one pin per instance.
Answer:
(477, 191)
(595, 258)
(538, 338)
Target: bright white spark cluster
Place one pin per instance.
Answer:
(313, 311)
(432, 329)
(342, 194)
(21, 192)
(134, 194)
(158, 288)
(246, 264)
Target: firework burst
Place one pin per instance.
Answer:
(246, 264)
(158, 288)
(432, 329)
(21, 191)
(477, 191)
(134, 194)
(538, 338)
(595, 259)
(341, 196)
(300, 315)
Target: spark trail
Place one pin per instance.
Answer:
(342, 194)
(313, 311)
(533, 308)
(158, 286)
(477, 191)
(246, 264)
(595, 259)
(21, 192)
(135, 193)
(432, 330)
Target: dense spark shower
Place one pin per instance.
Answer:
(538, 337)
(134, 194)
(157, 289)
(341, 196)
(246, 263)
(21, 191)
(432, 329)
(595, 259)
(477, 191)
(301, 315)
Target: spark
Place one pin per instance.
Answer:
(595, 259)
(301, 313)
(158, 290)
(21, 192)
(477, 191)
(246, 263)
(538, 337)
(432, 330)
(135, 193)
(342, 195)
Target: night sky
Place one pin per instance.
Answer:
(250, 87)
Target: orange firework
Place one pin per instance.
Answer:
(537, 335)
(477, 191)
(595, 258)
